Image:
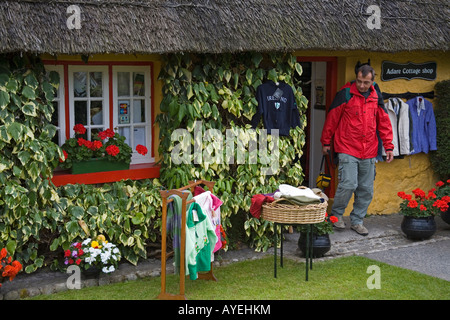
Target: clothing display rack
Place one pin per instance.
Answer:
(183, 194)
(409, 95)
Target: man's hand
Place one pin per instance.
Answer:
(326, 150)
(389, 156)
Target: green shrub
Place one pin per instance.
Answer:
(439, 158)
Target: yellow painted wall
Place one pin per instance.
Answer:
(401, 174)
(157, 85)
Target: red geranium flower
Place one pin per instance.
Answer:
(141, 149)
(413, 204)
(79, 128)
(82, 142)
(112, 150)
(439, 184)
(419, 193)
(333, 219)
(108, 133)
(3, 253)
(96, 145)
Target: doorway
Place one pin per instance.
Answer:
(318, 82)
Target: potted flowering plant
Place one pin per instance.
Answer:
(107, 151)
(419, 211)
(93, 252)
(321, 239)
(443, 198)
(8, 267)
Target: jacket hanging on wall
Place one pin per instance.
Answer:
(423, 135)
(277, 106)
(398, 112)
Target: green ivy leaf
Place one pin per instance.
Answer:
(72, 227)
(76, 212)
(54, 79)
(31, 81)
(15, 130)
(12, 85)
(4, 99)
(28, 93)
(11, 246)
(29, 109)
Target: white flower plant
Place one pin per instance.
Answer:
(101, 253)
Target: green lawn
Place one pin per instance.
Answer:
(340, 278)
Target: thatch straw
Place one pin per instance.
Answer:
(215, 26)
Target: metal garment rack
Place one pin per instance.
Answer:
(183, 194)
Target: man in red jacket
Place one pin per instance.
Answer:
(355, 116)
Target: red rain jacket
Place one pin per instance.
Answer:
(353, 122)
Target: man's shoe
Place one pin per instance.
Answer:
(360, 229)
(340, 224)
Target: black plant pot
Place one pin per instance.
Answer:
(321, 244)
(446, 216)
(418, 228)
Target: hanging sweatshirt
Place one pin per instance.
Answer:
(277, 106)
(423, 136)
(200, 241)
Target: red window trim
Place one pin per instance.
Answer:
(136, 171)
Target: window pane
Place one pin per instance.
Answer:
(139, 137)
(138, 84)
(138, 111)
(95, 83)
(96, 112)
(79, 84)
(123, 83)
(125, 131)
(81, 112)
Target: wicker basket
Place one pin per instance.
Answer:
(294, 214)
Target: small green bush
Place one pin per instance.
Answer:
(439, 159)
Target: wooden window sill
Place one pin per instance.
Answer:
(136, 172)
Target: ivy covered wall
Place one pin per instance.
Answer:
(38, 220)
(200, 92)
(205, 92)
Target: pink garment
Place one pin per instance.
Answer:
(198, 190)
(218, 245)
(216, 202)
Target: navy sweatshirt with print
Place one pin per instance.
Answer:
(277, 106)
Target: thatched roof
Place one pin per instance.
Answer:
(157, 26)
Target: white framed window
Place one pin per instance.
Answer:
(89, 98)
(59, 113)
(90, 92)
(132, 108)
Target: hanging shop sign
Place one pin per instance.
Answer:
(392, 70)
